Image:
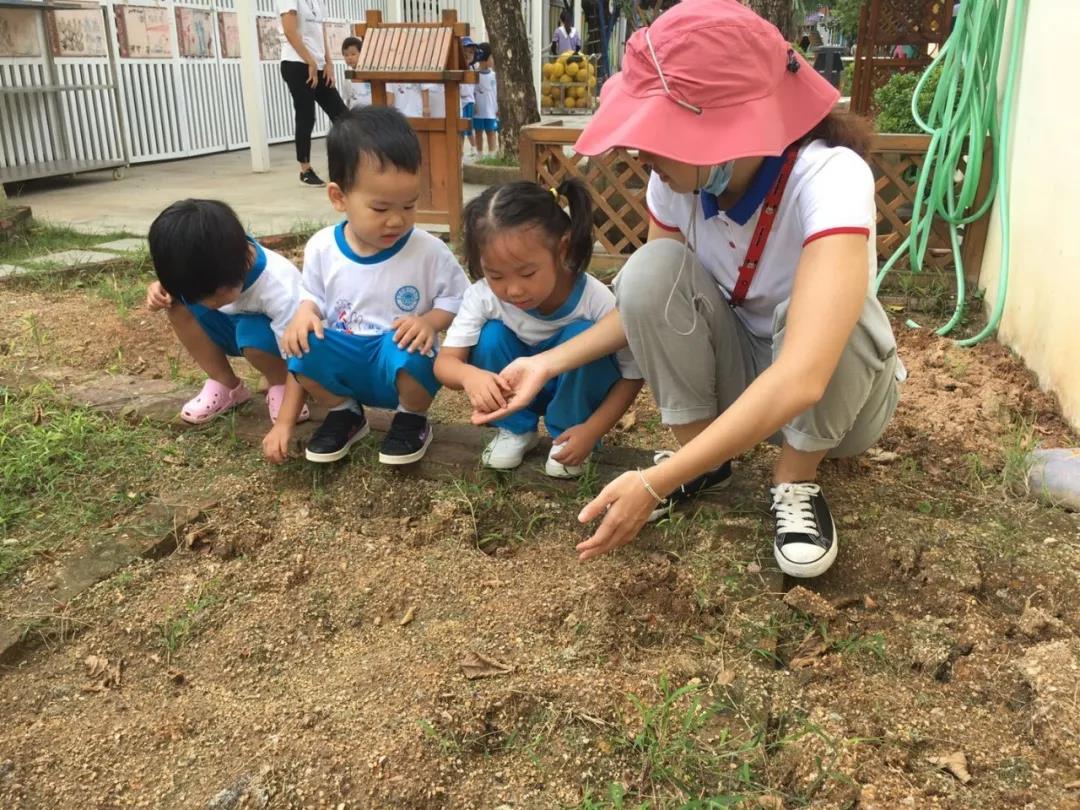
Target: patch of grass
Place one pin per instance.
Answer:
(187, 622)
(869, 647)
(687, 753)
(497, 160)
(1016, 449)
(62, 469)
(497, 518)
(42, 238)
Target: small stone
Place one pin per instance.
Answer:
(812, 604)
(1050, 541)
(753, 568)
(1036, 623)
(869, 603)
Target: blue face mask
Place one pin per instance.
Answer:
(719, 178)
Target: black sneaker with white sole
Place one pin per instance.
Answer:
(712, 481)
(805, 533)
(407, 440)
(338, 432)
(309, 178)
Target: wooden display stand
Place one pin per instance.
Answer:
(428, 53)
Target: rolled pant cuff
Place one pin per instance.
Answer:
(805, 443)
(684, 416)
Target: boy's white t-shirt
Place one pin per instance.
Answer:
(309, 16)
(467, 93)
(436, 100)
(811, 208)
(407, 99)
(590, 300)
(356, 94)
(364, 295)
(487, 101)
(276, 291)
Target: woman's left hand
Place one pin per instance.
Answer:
(625, 505)
(328, 74)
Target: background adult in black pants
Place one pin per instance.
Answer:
(308, 70)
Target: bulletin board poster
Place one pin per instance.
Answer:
(195, 33)
(19, 35)
(336, 33)
(77, 32)
(269, 38)
(229, 34)
(145, 32)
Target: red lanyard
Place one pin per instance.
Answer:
(764, 227)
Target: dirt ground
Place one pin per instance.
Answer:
(311, 644)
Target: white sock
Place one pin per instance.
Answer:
(349, 404)
(403, 409)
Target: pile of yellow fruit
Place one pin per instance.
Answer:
(568, 81)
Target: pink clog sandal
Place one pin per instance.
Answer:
(275, 395)
(214, 400)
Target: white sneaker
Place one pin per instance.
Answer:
(556, 469)
(507, 450)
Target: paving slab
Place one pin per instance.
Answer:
(11, 270)
(70, 258)
(129, 245)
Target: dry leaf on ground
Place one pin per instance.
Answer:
(810, 650)
(629, 419)
(806, 601)
(955, 763)
(103, 674)
(410, 614)
(474, 665)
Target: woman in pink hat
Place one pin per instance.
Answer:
(750, 310)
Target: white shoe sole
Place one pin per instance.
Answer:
(412, 458)
(556, 469)
(808, 570)
(325, 458)
(504, 465)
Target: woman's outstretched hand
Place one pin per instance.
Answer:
(523, 379)
(625, 505)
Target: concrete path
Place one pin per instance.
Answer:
(274, 202)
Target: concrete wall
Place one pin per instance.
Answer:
(1042, 312)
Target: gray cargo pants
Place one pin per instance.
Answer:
(699, 375)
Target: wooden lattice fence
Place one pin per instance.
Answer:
(885, 24)
(617, 182)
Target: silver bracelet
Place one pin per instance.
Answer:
(648, 487)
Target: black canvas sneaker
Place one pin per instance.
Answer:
(712, 481)
(407, 440)
(309, 178)
(805, 533)
(340, 431)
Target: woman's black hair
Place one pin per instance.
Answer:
(522, 204)
(198, 247)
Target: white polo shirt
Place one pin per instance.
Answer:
(589, 300)
(273, 288)
(487, 96)
(436, 99)
(830, 191)
(356, 94)
(407, 99)
(364, 295)
(310, 15)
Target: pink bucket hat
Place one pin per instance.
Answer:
(709, 81)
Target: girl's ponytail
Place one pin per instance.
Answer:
(579, 251)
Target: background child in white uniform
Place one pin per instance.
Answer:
(468, 91)
(355, 94)
(226, 296)
(407, 97)
(486, 119)
(382, 292)
(534, 294)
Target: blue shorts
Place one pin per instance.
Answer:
(467, 113)
(364, 367)
(234, 333)
(486, 124)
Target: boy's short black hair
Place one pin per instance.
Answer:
(381, 134)
(198, 247)
(483, 51)
(351, 42)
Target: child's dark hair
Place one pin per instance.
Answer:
(527, 205)
(198, 247)
(352, 42)
(381, 134)
(843, 129)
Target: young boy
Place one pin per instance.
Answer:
(355, 94)
(382, 292)
(226, 296)
(468, 92)
(486, 122)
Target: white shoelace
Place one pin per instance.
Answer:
(794, 510)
